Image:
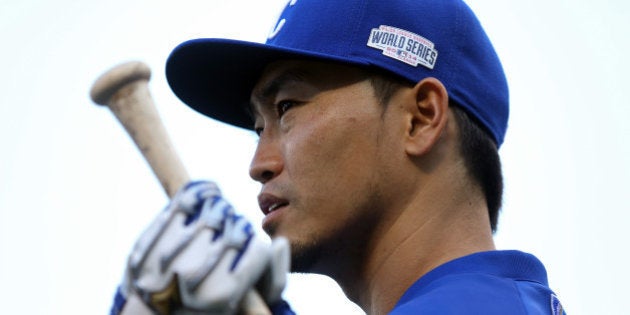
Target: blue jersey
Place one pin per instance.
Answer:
(488, 283)
(494, 282)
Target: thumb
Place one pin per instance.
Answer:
(274, 279)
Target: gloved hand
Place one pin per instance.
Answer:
(199, 257)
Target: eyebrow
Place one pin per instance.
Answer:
(271, 87)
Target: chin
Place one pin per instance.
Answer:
(305, 256)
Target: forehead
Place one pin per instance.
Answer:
(283, 74)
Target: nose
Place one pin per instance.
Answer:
(267, 162)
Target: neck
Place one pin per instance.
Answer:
(421, 234)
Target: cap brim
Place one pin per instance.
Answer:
(216, 76)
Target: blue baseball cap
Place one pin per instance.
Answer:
(413, 39)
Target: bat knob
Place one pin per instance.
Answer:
(113, 80)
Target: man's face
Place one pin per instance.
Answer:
(324, 159)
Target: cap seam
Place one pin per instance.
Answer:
(355, 32)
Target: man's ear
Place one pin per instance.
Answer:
(427, 116)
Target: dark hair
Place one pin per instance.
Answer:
(481, 156)
(482, 161)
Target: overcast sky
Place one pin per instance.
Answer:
(75, 193)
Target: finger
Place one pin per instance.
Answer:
(226, 285)
(236, 235)
(275, 277)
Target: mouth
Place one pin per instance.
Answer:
(269, 203)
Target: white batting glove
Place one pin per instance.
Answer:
(199, 257)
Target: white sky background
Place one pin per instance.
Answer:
(75, 193)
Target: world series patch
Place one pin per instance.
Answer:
(404, 46)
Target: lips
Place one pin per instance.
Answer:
(269, 203)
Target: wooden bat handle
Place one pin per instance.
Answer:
(125, 90)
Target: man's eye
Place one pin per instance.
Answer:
(283, 106)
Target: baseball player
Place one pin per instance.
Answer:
(379, 125)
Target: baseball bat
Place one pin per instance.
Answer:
(125, 90)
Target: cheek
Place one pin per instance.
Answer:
(330, 155)
(325, 142)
